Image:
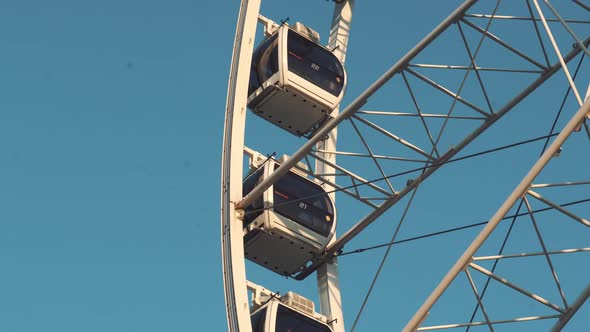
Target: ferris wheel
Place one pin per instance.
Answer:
(473, 145)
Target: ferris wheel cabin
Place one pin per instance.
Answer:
(290, 223)
(284, 315)
(295, 83)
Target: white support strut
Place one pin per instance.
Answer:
(327, 275)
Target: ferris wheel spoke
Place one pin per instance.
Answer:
(468, 259)
(390, 136)
(545, 252)
(567, 27)
(361, 100)
(493, 323)
(479, 300)
(445, 104)
(473, 66)
(448, 92)
(579, 3)
(558, 52)
(531, 213)
(559, 208)
(517, 288)
(505, 45)
(353, 107)
(471, 136)
(372, 216)
(356, 180)
(419, 112)
(364, 155)
(370, 152)
(479, 68)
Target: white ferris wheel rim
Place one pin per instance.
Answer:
(235, 283)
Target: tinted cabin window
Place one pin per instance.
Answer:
(258, 320)
(314, 63)
(291, 321)
(304, 202)
(256, 208)
(265, 63)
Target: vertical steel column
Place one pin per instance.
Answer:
(327, 274)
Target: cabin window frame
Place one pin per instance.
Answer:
(258, 319)
(295, 211)
(314, 63)
(308, 322)
(269, 46)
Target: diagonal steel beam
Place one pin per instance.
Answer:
(502, 43)
(558, 53)
(446, 91)
(566, 26)
(352, 176)
(521, 290)
(479, 300)
(372, 155)
(393, 137)
(565, 318)
(545, 251)
(559, 208)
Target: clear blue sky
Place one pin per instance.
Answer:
(111, 122)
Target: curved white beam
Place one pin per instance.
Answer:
(232, 248)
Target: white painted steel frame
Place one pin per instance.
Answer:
(334, 248)
(232, 248)
(401, 67)
(564, 319)
(349, 111)
(354, 106)
(519, 191)
(234, 271)
(327, 275)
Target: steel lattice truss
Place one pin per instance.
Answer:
(453, 100)
(551, 230)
